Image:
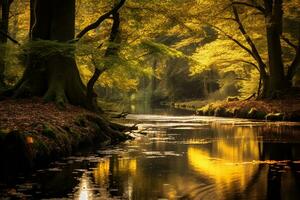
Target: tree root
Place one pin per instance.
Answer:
(57, 95)
(253, 96)
(110, 129)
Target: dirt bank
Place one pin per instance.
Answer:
(273, 110)
(33, 133)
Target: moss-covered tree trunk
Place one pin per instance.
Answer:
(55, 77)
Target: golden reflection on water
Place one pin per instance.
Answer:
(101, 173)
(85, 190)
(106, 167)
(224, 161)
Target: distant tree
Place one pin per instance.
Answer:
(263, 42)
(4, 20)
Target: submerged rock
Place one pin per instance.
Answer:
(220, 112)
(275, 117)
(256, 114)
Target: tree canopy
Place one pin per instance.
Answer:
(119, 44)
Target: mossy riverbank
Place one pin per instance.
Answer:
(273, 110)
(33, 133)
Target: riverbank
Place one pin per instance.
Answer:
(273, 110)
(33, 133)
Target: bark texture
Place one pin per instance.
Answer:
(4, 6)
(56, 77)
(273, 17)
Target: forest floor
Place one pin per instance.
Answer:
(33, 132)
(275, 110)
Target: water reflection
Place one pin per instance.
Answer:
(85, 191)
(101, 173)
(182, 158)
(226, 160)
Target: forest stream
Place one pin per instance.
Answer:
(180, 156)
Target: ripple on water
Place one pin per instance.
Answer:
(160, 154)
(173, 125)
(202, 192)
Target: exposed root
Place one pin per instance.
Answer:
(24, 91)
(111, 130)
(253, 96)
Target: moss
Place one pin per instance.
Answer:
(256, 114)
(80, 121)
(242, 112)
(252, 109)
(206, 110)
(232, 112)
(41, 148)
(252, 113)
(48, 131)
(220, 111)
(39, 143)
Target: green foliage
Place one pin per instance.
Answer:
(159, 49)
(197, 34)
(48, 48)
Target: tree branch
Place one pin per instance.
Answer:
(233, 39)
(254, 50)
(257, 7)
(250, 63)
(100, 20)
(289, 42)
(295, 65)
(10, 38)
(110, 51)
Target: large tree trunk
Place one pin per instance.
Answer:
(4, 6)
(56, 78)
(273, 17)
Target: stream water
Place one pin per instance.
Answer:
(181, 157)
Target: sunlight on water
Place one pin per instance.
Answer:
(182, 157)
(101, 173)
(223, 161)
(85, 192)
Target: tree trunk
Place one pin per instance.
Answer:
(265, 87)
(273, 16)
(292, 70)
(5, 4)
(56, 78)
